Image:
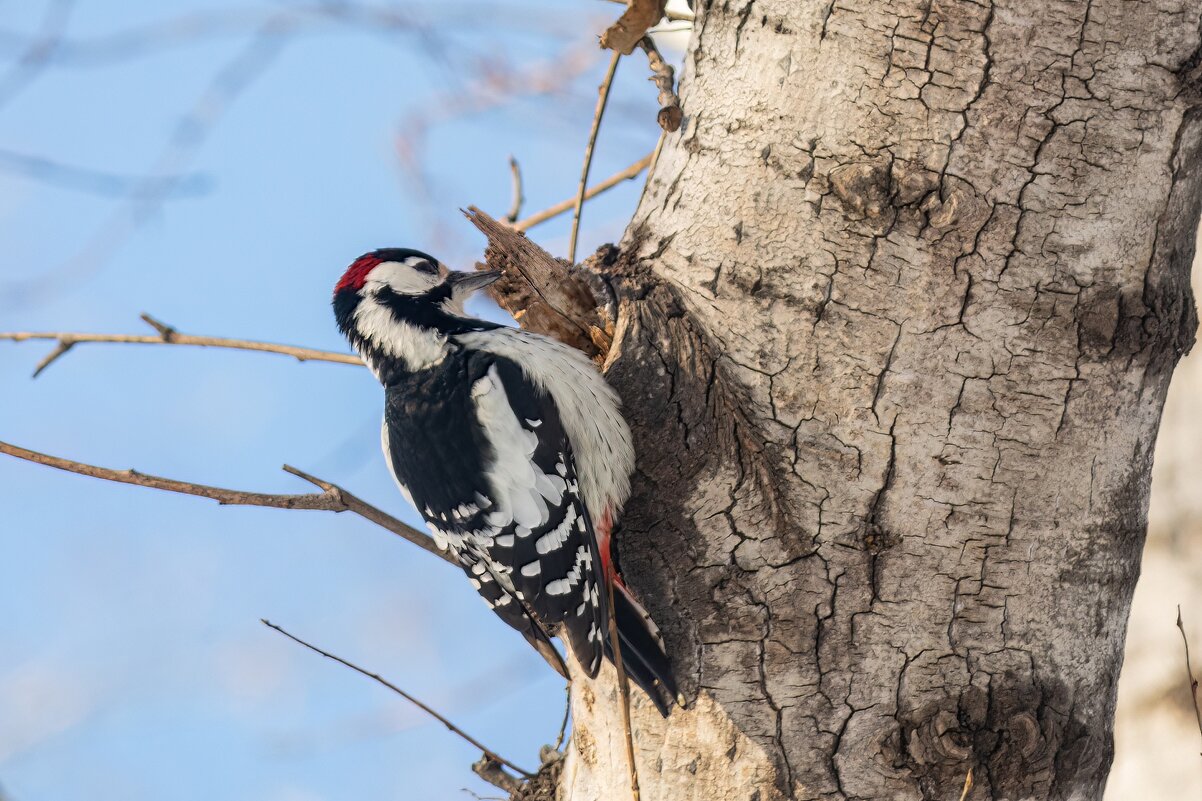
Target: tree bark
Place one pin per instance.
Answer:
(898, 311)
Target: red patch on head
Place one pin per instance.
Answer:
(356, 275)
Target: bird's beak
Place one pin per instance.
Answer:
(468, 282)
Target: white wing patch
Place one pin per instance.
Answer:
(557, 536)
(588, 408)
(584, 560)
(523, 490)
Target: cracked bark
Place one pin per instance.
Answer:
(898, 311)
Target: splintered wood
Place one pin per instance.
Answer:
(545, 295)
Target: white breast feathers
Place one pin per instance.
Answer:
(418, 347)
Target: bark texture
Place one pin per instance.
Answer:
(898, 312)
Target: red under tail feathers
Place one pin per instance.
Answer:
(643, 654)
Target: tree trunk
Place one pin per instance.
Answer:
(899, 309)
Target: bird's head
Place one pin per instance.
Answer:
(403, 304)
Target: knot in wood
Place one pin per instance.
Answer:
(863, 188)
(939, 740)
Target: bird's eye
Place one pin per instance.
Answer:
(424, 266)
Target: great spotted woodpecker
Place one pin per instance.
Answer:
(512, 448)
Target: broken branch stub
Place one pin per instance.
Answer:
(632, 26)
(545, 295)
(664, 77)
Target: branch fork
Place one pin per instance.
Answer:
(332, 497)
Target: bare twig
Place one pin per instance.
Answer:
(353, 503)
(479, 797)
(967, 786)
(61, 348)
(167, 332)
(623, 695)
(515, 208)
(602, 99)
(1189, 672)
(623, 35)
(664, 77)
(488, 753)
(169, 336)
(559, 208)
(499, 82)
(567, 711)
(332, 498)
(490, 770)
(543, 644)
(659, 147)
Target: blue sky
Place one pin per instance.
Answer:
(132, 662)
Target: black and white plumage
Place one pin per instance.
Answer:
(512, 448)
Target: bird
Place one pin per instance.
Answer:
(513, 449)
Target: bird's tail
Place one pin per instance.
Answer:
(643, 655)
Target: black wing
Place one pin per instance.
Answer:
(482, 453)
(555, 565)
(437, 454)
(483, 456)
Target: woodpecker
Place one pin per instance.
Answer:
(513, 449)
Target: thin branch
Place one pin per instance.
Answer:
(609, 183)
(623, 695)
(490, 770)
(515, 208)
(479, 797)
(167, 335)
(659, 147)
(497, 83)
(967, 786)
(332, 498)
(61, 348)
(1189, 672)
(489, 753)
(567, 711)
(602, 99)
(362, 508)
(167, 332)
(664, 77)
